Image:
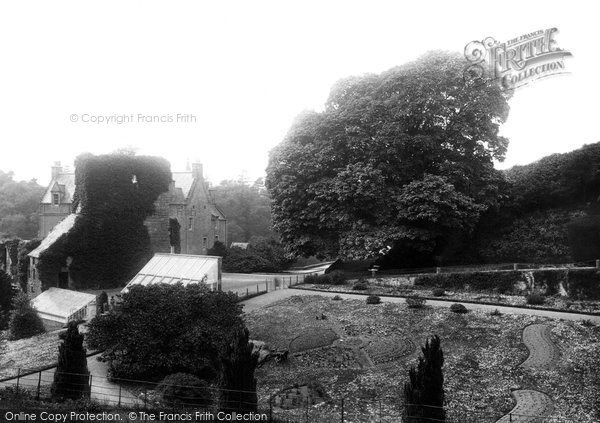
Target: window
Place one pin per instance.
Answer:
(179, 210)
(56, 199)
(216, 238)
(193, 211)
(190, 224)
(205, 242)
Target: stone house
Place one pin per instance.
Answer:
(185, 219)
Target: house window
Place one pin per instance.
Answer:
(205, 242)
(56, 199)
(179, 210)
(190, 224)
(193, 212)
(216, 238)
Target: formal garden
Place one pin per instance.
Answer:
(362, 353)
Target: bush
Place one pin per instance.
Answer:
(438, 292)
(71, 378)
(312, 279)
(502, 282)
(373, 299)
(415, 302)
(24, 321)
(458, 308)
(337, 298)
(360, 286)
(583, 284)
(496, 312)
(337, 278)
(535, 299)
(184, 389)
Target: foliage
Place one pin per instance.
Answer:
(332, 278)
(184, 389)
(237, 380)
(584, 237)
(175, 235)
(25, 247)
(19, 204)
(438, 292)
(360, 286)
(583, 284)
(164, 329)
(536, 237)
(24, 321)
(415, 302)
(262, 255)
(424, 392)
(495, 312)
(401, 157)
(71, 378)
(108, 243)
(247, 207)
(458, 308)
(6, 296)
(478, 281)
(373, 299)
(535, 299)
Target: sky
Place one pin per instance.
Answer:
(227, 78)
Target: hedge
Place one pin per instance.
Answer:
(581, 284)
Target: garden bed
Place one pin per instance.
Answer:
(377, 286)
(377, 344)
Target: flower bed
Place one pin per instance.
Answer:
(482, 357)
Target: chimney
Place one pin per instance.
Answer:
(197, 170)
(56, 170)
(211, 196)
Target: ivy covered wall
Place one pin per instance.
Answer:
(108, 243)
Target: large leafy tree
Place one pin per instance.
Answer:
(400, 158)
(19, 202)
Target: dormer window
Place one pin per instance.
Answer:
(56, 198)
(134, 179)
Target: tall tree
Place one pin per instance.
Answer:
(341, 179)
(19, 202)
(237, 380)
(71, 377)
(6, 295)
(424, 392)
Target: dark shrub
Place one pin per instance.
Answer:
(71, 378)
(501, 281)
(360, 286)
(584, 284)
(584, 237)
(373, 299)
(184, 389)
(496, 312)
(415, 302)
(312, 279)
(458, 308)
(535, 299)
(438, 292)
(24, 321)
(337, 278)
(337, 298)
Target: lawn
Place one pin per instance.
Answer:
(27, 354)
(346, 348)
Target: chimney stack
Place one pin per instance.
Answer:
(211, 196)
(197, 170)
(56, 170)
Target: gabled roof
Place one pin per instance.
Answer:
(61, 303)
(60, 229)
(185, 181)
(65, 182)
(177, 268)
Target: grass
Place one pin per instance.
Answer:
(369, 362)
(28, 354)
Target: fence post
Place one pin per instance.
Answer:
(438, 270)
(119, 395)
(145, 398)
(266, 284)
(90, 383)
(515, 266)
(37, 395)
(510, 417)
(257, 288)
(296, 279)
(247, 292)
(342, 409)
(18, 378)
(597, 263)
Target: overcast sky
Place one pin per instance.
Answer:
(245, 69)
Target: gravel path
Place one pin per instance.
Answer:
(543, 353)
(531, 406)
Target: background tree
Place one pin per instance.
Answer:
(340, 179)
(424, 392)
(19, 203)
(24, 321)
(247, 207)
(237, 380)
(6, 297)
(71, 377)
